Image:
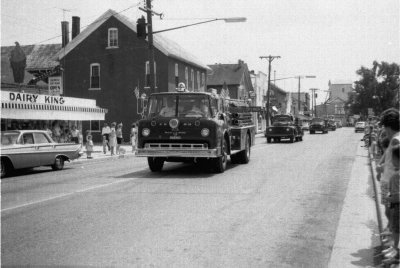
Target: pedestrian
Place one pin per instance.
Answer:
(133, 137)
(392, 253)
(390, 123)
(75, 134)
(105, 132)
(89, 145)
(56, 131)
(119, 137)
(112, 138)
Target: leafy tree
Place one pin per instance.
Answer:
(377, 88)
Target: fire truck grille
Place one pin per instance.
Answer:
(174, 146)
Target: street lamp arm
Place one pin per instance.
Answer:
(228, 20)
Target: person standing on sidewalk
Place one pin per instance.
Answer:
(390, 121)
(105, 132)
(119, 138)
(75, 134)
(112, 138)
(133, 137)
(89, 145)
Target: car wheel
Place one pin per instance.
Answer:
(301, 138)
(6, 168)
(220, 162)
(292, 139)
(155, 163)
(244, 156)
(58, 163)
(312, 132)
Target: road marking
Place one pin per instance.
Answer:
(67, 194)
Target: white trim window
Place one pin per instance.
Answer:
(203, 81)
(176, 75)
(187, 76)
(147, 74)
(95, 76)
(198, 81)
(112, 38)
(192, 78)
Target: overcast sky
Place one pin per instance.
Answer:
(330, 39)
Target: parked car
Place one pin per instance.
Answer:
(33, 148)
(332, 125)
(318, 124)
(339, 124)
(305, 125)
(284, 127)
(360, 126)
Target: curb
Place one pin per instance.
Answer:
(102, 158)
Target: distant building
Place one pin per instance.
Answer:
(305, 107)
(334, 106)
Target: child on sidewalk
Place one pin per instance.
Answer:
(89, 145)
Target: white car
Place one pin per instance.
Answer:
(360, 126)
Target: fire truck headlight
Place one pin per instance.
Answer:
(205, 132)
(146, 132)
(270, 129)
(287, 129)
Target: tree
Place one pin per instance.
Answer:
(377, 88)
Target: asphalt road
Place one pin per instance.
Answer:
(280, 210)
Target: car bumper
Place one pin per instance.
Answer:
(199, 153)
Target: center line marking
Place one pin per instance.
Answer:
(64, 195)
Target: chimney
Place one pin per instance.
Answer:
(76, 26)
(64, 33)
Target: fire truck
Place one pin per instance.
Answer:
(198, 127)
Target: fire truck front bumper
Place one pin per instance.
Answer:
(175, 150)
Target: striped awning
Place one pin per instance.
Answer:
(30, 111)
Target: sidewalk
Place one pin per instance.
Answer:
(356, 242)
(99, 155)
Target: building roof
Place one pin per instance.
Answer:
(231, 74)
(165, 45)
(38, 58)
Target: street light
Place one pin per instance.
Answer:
(150, 34)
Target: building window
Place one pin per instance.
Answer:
(147, 77)
(192, 79)
(198, 81)
(95, 76)
(95, 126)
(342, 89)
(187, 76)
(176, 75)
(112, 37)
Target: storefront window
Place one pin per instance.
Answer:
(95, 126)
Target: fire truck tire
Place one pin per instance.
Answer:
(221, 161)
(268, 140)
(291, 139)
(155, 163)
(234, 158)
(244, 156)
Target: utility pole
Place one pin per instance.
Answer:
(151, 46)
(298, 100)
(270, 59)
(314, 100)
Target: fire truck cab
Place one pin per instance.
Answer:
(197, 127)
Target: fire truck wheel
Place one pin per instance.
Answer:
(155, 163)
(291, 139)
(244, 156)
(220, 162)
(268, 140)
(234, 159)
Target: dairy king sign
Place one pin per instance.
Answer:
(55, 85)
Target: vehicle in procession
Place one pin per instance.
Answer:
(331, 124)
(360, 126)
(318, 125)
(33, 148)
(284, 127)
(198, 127)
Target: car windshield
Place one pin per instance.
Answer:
(317, 120)
(179, 105)
(281, 121)
(360, 123)
(9, 138)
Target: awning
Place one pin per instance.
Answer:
(25, 106)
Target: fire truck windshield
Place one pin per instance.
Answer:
(179, 105)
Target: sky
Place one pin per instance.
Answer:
(329, 39)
